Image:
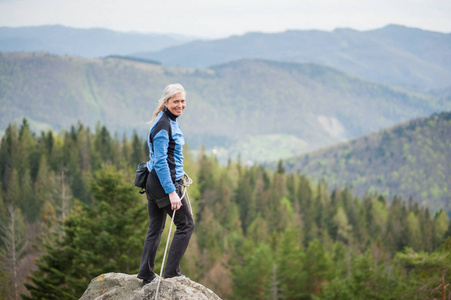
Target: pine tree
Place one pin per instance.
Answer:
(252, 278)
(414, 232)
(379, 217)
(103, 144)
(206, 180)
(344, 229)
(290, 259)
(14, 248)
(306, 209)
(393, 238)
(321, 207)
(85, 151)
(441, 223)
(43, 188)
(137, 154)
(427, 230)
(9, 154)
(26, 149)
(274, 214)
(59, 203)
(317, 265)
(209, 233)
(27, 196)
(224, 209)
(245, 199)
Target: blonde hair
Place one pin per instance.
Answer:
(168, 93)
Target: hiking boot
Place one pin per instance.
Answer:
(145, 281)
(179, 276)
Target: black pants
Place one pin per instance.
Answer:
(157, 217)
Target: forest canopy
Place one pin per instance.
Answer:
(68, 201)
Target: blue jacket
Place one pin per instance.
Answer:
(166, 150)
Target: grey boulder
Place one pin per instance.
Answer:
(119, 286)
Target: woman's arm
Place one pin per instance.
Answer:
(161, 143)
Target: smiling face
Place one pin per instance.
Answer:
(176, 104)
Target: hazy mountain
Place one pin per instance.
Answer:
(407, 57)
(83, 42)
(410, 159)
(264, 110)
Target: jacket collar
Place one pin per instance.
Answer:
(170, 115)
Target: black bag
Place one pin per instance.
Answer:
(156, 191)
(164, 201)
(141, 177)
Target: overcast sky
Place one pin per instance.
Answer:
(214, 18)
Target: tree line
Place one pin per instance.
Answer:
(69, 212)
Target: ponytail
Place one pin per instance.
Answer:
(156, 112)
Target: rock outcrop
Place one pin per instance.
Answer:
(119, 286)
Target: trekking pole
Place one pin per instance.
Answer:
(164, 256)
(187, 183)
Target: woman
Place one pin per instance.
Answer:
(163, 185)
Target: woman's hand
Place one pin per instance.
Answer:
(176, 202)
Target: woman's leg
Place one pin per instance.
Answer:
(185, 227)
(157, 218)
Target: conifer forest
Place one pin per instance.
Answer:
(69, 212)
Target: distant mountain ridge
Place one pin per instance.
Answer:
(410, 58)
(412, 159)
(95, 42)
(396, 55)
(263, 110)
